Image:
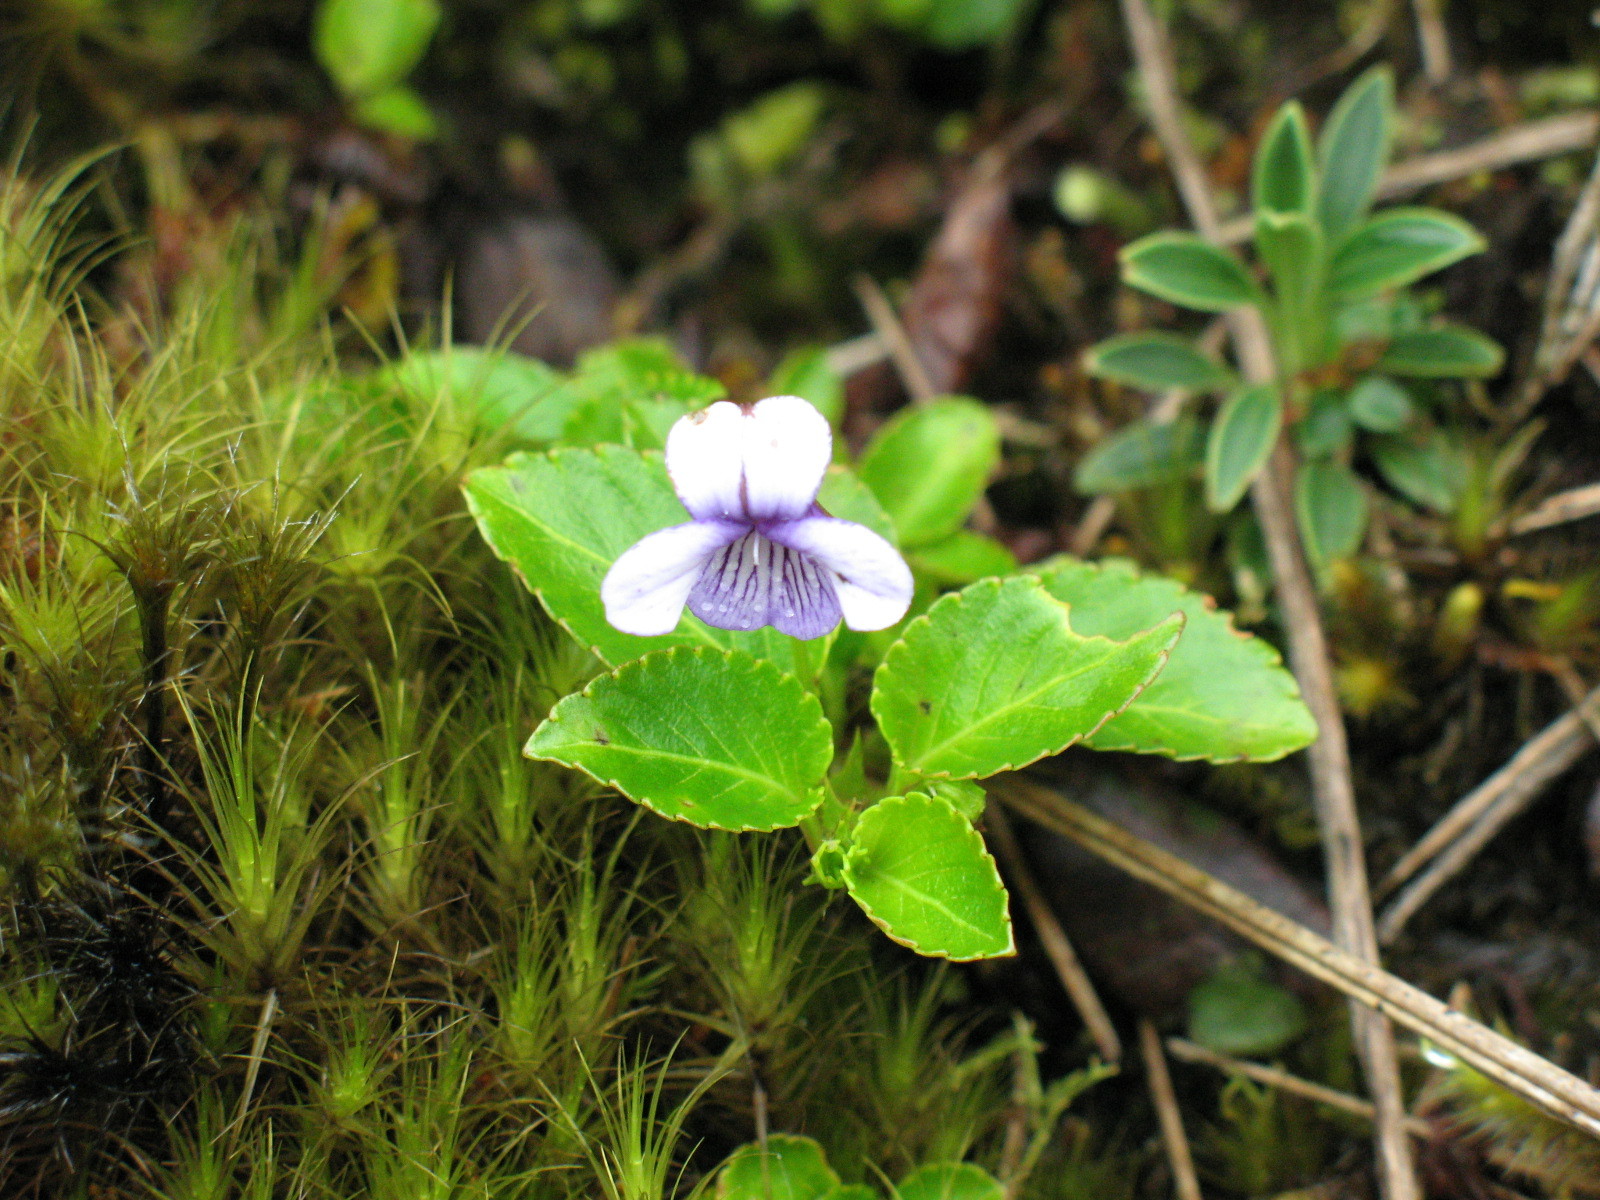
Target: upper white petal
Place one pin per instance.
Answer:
(872, 580)
(705, 458)
(645, 590)
(787, 447)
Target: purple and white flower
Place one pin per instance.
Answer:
(760, 550)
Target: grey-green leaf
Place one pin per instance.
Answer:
(1444, 352)
(719, 739)
(1236, 1011)
(1223, 696)
(1156, 362)
(1240, 440)
(994, 677)
(1188, 270)
(1381, 405)
(1142, 454)
(1283, 178)
(1331, 506)
(929, 465)
(1397, 247)
(1425, 468)
(921, 872)
(789, 1167)
(1352, 151)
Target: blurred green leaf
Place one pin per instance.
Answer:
(771, 132)
(1425, 467)
(929, 465)
(398, 111)
(1326, 428)
(1332, 508)
(1240, 440)
(501, 388)
(1142, 454)
(788, 1168)
(1445, 352)
(805, 373)
(369, 46)
(1352, 151)
(1397, 247)
(1238, 1012)
(1188, 270)
(1283, 178)
(1381, 405)
(950, 1181)
(1156, 362)
(962, 558)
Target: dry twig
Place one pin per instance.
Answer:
(1184, 1180)
(1433, 40)
(1493, 1055)
(1332, 790)
(1573, 505)
(892, 335)
(1054, 939)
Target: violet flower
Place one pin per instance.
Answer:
(760, 550)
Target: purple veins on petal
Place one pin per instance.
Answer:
(755, 581)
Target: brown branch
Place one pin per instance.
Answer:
(892, 335)
(1184, 1180)
(1332, 790)
(1536, 1079)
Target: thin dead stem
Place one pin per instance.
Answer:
(1184, 1180)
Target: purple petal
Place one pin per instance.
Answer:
(755, 582)
(645, 589)
(871, 580)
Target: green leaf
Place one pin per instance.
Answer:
(1397, 247)
(1352, 151)
(790, 1168)
(769, 133)
(1236, 1011)
(993, 677)
(562, 518)
(1223, 696)
(949, 1181)
(962, 558)
(1241, 438)
(805, 373)
(1446, 352)
(1156, 362)
(496, 387)
(1188, 270)
(921, 872)
(1291, 246)
(844, 495)
(1142, 454)
(1381, 405)
(399, 111)
(721, 740)
(1283, 179)
(966, 797)
(1326, 428)
(962, 24)
(929, 465)
(1332, 507)
(636, 386)
(368, 46)
(1426, 468)
(850, 1191)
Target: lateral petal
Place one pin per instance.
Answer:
(871, 580)
(645, 589)
(705, 460)
(787, 447)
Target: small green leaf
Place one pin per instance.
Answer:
(1326, 428)
(966, 797)
(963, 24)
(399, 111)
(1188, 270)
(789, 1168)
(769, 133)
(993, 677)
(1332, 507)
(1446, 352)
(721, 740)
(1283, 179)
(1241, 438)
(497, 388)
(635, 385)
(1236, 1011)
(949, 1181)
(1142, 454)
(929, 465)
(1381, 405)
(1156, 362)
(1352, 151)
(1425, 468)
(844, 495)
(962, 558)
(1291, 246)
(921, 872)
(1397, 247)
(850, 1191)
(805, 373)
(1223, 696)
(369, 46)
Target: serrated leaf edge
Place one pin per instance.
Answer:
(983, 849)
(955, 598)
(638, 664)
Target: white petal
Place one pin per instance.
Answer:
(645, 589)
(787, 447)
(705, 458)
(872, 581)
